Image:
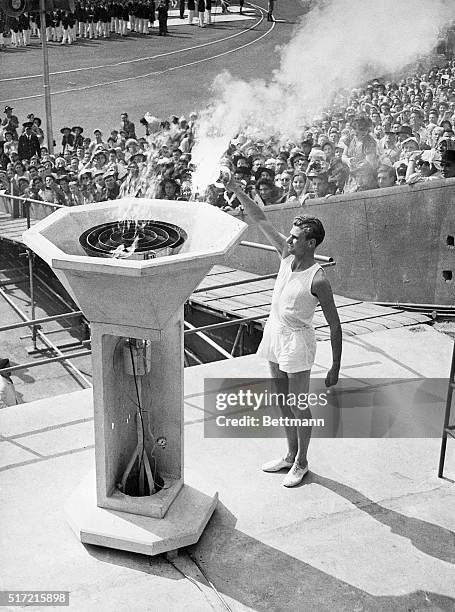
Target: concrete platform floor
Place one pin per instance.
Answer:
(371, 528)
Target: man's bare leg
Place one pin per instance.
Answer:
(280, 385)
(298, 383)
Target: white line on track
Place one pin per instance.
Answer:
(144, 76)
(139, 59)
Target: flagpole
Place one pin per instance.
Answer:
(47, 89)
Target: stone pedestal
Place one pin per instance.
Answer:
(182, 525)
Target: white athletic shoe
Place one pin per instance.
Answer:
(276, 465)
(295, 475)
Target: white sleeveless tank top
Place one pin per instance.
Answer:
(293, 304)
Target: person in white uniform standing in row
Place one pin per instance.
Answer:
(289, 343)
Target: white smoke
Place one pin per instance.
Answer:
(338, 44)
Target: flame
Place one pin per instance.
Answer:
(130, 250)
(118, 252)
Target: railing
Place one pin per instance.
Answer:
(24, 205)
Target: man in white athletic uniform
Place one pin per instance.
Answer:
(289, 343)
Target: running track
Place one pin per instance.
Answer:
(92, 82)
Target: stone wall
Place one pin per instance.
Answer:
(392, 245)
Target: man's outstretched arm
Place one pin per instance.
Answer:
(257, 216)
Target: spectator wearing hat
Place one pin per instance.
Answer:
(408, 146)
(60, 166)
(67, 139)
(132, 148)
(264, 173)
(77, 131)
(448, 164)
(99, 161)
(10, 122)
(140, 158)
(319, 181)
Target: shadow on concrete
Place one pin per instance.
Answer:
(372, 348)
(267, 579)
(431, 539)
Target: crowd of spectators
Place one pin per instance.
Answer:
(383, 134)
(94, 19)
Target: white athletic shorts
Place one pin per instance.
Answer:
(293, 350)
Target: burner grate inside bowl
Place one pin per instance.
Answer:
(143, 239)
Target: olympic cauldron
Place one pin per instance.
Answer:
(131, 278)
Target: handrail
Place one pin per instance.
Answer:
(267, 247)
(33, 364)
(25, 200)
(189, 332)
(234, 283)
(33, 322)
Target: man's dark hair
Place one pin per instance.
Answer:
(316, 229)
